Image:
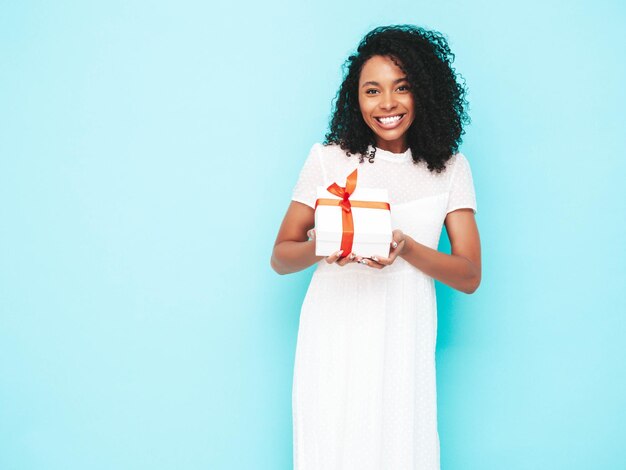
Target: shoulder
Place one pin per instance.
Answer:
(456, 158)
(327, 153)
(327, 149)
(457, 162)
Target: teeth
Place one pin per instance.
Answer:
(389, 120)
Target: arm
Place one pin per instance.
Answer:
(460, 270)
(293, 251)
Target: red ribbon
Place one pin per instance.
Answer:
(347, 236)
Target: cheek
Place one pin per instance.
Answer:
(364, 111)
(408, 102)
(361, 105)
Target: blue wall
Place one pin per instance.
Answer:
(147, 156)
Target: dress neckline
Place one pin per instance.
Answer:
(392, 157)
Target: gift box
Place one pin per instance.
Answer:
(352, 218)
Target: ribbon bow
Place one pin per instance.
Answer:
(345, 192)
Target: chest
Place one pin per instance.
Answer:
(422, 219)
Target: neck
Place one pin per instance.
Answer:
(393, 147)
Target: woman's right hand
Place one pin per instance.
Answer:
(335, 257)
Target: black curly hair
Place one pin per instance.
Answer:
(439, 99)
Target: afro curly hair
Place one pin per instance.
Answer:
(439, 99)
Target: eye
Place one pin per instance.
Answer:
(372, 90)
(403, 88)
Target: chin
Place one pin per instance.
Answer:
(391, 137)
(391, 134)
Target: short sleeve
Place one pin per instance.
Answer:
(462, 193)
(311, 176)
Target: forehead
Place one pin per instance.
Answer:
(380, 68)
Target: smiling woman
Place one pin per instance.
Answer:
(364, 388)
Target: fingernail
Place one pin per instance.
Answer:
(352, 256)
(394, 244)
(375, 258)
(339, 253)
(363, 261)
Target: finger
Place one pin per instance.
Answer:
(371, 263)
(334, 257)
(348, 259)
(382, 260)
(393, 253)
(397, 235)
(397, 250)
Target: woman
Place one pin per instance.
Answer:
(364, 390)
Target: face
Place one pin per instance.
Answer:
(386, 102)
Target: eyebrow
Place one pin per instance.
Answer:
(402, 79)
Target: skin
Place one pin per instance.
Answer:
(382, 92)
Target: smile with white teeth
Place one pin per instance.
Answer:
(389, 119)
(389, 122)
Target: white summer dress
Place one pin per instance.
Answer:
(364, 388)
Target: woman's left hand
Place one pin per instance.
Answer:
(397, 247)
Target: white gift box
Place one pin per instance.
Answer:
(372, 226)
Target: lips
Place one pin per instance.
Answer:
(389, 122)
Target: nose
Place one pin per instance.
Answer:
(387, 101)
